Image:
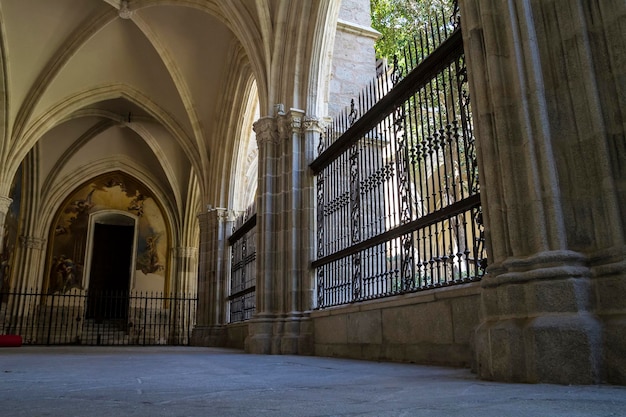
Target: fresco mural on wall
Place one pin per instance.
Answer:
(114, 191)
(11, 225)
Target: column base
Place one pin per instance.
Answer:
(609, 285)
(559, 349)
(298, 336)
(615, 346)
(537, 324)
(290, 335)
(259, 340)
(209, 336)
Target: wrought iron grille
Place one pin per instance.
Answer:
(84, 317)
(242, 299)
(398, 197)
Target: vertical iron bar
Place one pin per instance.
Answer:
(145, 320)
(50, 320)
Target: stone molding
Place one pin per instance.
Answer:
(547, 264)
(186, 252)
(356, 29)
(225, 215)
(203, 218)
(32, 242)
(220, 215)
(5, 203)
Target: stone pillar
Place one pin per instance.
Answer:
(260, 328)
(186, 261)
(26, 272)
(284, 227)
(185, 277)
(544, 79)
(212, 278)
(28, 262)
(296, 230)
(5, 203)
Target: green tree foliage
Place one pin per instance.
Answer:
(399, 21)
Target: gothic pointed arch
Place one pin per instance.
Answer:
(63, 110)
(70, 233)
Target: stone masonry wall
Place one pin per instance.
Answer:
(431, 327)
(354, 60)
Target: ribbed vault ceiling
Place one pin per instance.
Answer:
(157, 87)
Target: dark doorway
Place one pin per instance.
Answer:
(109, 280)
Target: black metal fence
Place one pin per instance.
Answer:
(398, 197)
(242, 299)
(83, 317)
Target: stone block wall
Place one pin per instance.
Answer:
(236, 335)
(430, 327)
(354, 59)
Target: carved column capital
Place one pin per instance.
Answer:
(32, 242)
(225, 215)
(290, 123)
(284, 126)
(216, 215)
(221, 214)
(186, 252)
(266, 131)
(314, 124)
(5, 203)
(203, 219)
(296, 117)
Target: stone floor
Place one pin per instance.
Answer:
(179, 381)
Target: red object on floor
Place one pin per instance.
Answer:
(10, 340)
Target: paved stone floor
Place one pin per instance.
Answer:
(179, 381)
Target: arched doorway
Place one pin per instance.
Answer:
(112, 243)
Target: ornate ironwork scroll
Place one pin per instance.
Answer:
(398, 193)
(355, 219)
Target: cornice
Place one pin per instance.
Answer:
(356, 29)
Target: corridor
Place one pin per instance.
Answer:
(184, 381)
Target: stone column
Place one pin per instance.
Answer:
(26, 272)
(186, 261)
(28, 262)
(185, 276)
(543, 80)
(212, 278)
(260, 328)
(284, 228)
(5, 203)
(296, 231)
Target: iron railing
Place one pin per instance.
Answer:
(84, 317)
(398, 198)
(242, 298)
